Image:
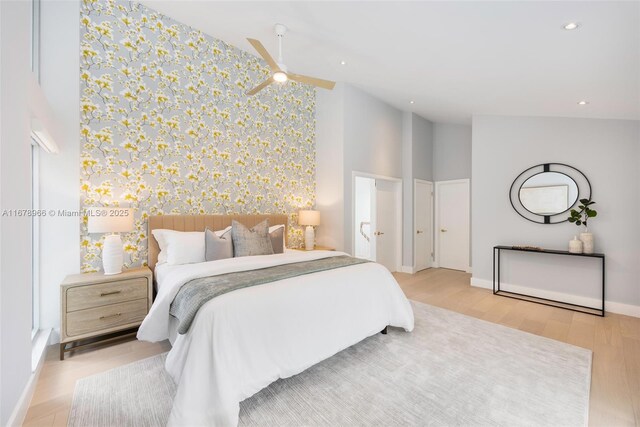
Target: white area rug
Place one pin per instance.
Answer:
(451, 370)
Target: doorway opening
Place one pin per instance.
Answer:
(377, 216)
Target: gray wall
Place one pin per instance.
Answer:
(417, 163)
(372, 144)
(451, 151)
(355, 132)
(15, 193)
(608, 153)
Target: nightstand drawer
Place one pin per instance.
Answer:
(83, 297)
(110, 316)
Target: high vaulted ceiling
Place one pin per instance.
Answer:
(453, 59)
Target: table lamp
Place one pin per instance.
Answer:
(309, 218)
(111, 220)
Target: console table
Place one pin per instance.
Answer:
(597, 311)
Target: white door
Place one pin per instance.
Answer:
(452, 224)
(385, 235)
(423, 224)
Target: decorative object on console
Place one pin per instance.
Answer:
(528, 247)
(111, 220)
(580, 218)
(310, 218)
(575, 245)
(543, 193)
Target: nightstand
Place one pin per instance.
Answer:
(94, 305)
(316, 248)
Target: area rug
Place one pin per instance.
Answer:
(452, 370)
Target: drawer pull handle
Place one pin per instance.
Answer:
(104, 294)
(109, 316)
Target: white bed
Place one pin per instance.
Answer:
(242, 341)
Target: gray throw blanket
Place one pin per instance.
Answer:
(197, 292)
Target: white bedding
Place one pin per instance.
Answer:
(242, 341)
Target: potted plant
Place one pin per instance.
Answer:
(580, 217)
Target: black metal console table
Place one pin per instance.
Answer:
(553, 303)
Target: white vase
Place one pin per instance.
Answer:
(309, 238)
(575, 245)
(112, 254)
(587, 242)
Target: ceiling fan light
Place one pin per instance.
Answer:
(280, 77)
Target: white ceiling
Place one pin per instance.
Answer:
(454, 59)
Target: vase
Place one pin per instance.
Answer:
(587, 242)
(575, 245)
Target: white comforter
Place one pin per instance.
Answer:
(242, 341)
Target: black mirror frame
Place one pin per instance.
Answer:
(584, 191)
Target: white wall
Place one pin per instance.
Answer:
(60, 174)
(451, 151)
(608, 153)
(15, 193)
(329, 166)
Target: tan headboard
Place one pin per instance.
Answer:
(199, 223)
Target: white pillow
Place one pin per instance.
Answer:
(181, 247)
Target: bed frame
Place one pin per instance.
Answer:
(200, 222)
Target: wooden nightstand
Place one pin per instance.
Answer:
(93, 305)
(316, 248)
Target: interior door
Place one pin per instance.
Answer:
(423, 221)
(453, 224)
(385, 224)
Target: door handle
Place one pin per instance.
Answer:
(378, 233)
(419, 232)
(443, 230)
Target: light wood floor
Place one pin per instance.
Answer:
(614, 340)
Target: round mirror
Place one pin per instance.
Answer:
(544, 193)
(548, 193)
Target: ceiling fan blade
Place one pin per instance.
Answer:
(325, 84)
(260, 86)
(265, 55)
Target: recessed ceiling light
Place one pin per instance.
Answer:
(343, 62)
(571, 26)
(583, 102)
(410, 102)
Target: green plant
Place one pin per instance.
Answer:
(580, 217)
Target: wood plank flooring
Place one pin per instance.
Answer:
(614, 340)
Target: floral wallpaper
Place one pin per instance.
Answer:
(166, 127)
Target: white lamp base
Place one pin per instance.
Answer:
(309, 238)
(112, 254)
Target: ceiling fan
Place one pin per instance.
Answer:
(279, 70)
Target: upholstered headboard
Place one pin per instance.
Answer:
(199, 223)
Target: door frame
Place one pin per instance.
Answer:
(436, 208)
(433, 251)
(398, 191)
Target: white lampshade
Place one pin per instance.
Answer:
(110, 220)
(309, 217)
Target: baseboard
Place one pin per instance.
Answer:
(469, 270)
(407, 269)
(20, 410)
(609, 306)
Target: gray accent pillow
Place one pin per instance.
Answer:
(277, 240)
(217, 247)
(253, 241)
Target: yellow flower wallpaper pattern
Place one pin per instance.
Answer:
(166, 127)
